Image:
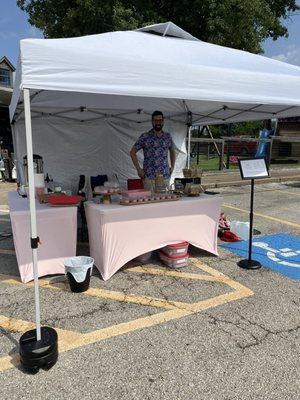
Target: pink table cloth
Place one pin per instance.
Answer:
(118, 233)
(57, 230)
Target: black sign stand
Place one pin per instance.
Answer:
(252, 169)
(249, 263)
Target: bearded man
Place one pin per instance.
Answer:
(156, 145)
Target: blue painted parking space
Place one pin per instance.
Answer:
(279, 252)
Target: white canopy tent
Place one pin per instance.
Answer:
(92, 96)
(89, 97)
(133, 71)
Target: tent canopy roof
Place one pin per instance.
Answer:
(161, 66)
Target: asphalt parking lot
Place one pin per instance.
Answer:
(209, 331)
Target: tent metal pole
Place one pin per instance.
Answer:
(167, 28)
(189, 123)
(33, 224)
(13, 134)
(221, 162)
(16, 161)
(189, 147)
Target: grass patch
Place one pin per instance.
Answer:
(212, 164)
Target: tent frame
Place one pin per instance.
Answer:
(122, 115)
(34, 241)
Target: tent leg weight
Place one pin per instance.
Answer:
(36, 354)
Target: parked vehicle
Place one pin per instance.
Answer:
(241, 148)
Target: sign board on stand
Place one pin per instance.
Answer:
(252, 168)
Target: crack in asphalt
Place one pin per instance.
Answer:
(248, 323)
(159, 286)
(54, 321)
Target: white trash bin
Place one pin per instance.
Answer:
(79, 270)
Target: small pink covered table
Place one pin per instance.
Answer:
(118, 233)
(57, 230)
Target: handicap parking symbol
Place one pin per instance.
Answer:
(283, 256)
(280, 252)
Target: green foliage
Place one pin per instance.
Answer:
(240, 24)
(249, 129)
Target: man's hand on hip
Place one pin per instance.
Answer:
(141, 173)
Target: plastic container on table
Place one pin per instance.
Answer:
(176, 248)
(174, 261)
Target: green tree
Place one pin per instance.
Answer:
(240, 24)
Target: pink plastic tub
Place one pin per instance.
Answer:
(174, 261)
(176, 249)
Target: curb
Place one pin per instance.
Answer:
(277, 179)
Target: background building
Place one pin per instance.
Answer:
(6, 89)
(288, 128)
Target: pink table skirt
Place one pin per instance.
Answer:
(117, 234)
(57, 230)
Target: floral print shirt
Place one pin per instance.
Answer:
(156, 152)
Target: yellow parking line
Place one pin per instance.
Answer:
(222, 277)
(9, 362)
(12, 280)
(213, 275)
(175, 274)
(69, 340)
(19, 325)
(264, 216)
(117, 296)
(130, 326)
(293, 194)
(96, 292)
(65, 339)
(219, 300)
(262, 190)
(129, 298)
(15, 325)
